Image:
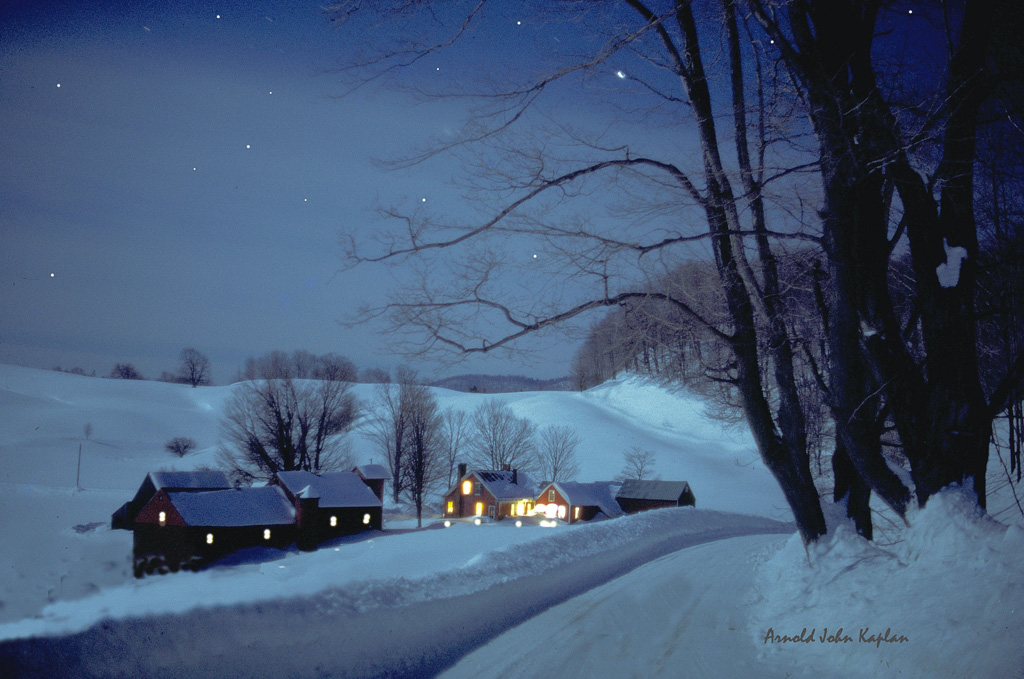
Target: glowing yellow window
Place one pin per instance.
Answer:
(451, 507)
(366, 519)
(467, 487)
(209, 538)
(163, 518)
(576, 513)
(266, 533)
(479, 508)
(334, 521)
(521, 508)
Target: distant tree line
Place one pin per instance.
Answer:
(74, 371)
(193, 369)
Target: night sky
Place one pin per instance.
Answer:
(177, 174)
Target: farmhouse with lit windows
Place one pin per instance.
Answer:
(187, 519)
(572, 502)
(509, 493)
(494, 494)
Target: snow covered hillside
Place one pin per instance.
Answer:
(722, 590)
(57, 537)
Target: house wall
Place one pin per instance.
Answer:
(150, 514)
(687, 499)
(465, 505)
(377, 486)
(349, 521)
(510, 508)
(632, 505)
(587, 512)
(552, 496)
(176, 545)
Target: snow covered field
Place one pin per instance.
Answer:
(713, 591)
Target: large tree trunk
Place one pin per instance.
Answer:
(786, 459)
(781, 438)
(939, 408)
(851, 489)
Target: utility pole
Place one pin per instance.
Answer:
(78, 476)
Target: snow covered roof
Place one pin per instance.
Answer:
(670, 491)
(600, 494)
(236, 507)
(335, 489)
(308, 493)
(195, 480)
(373, 472)
(500, 485)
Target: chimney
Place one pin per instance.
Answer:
(462, 469)
(515, 477)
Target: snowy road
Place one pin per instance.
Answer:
(377, 628)
(685, 614)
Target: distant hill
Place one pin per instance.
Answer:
(500, 384)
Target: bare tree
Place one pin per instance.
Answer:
(304, 364)
(884, 173)
(194, 368)
(423, 464)
(480, 308)
(898, 170)
(180, 446)
(389, 426)
(638, 464)
(557, 453)
(277, 424)
(334, 367)
(454, 432)
(276, 365)
(499, 439)
(125, 371)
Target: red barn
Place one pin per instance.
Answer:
(637, 496)
(190, 528)
(154, 482)
(495, 494)
(330, 505)
(572, 502)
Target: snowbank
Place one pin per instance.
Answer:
(946, 601)
(379, 570)
(378, 611)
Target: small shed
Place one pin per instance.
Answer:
(495, 494)
(330, 505)
(192, 481)
(572, 501)
(374, 476)
(183, 527)
(637, 496)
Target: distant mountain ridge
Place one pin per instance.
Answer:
(500, 384)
